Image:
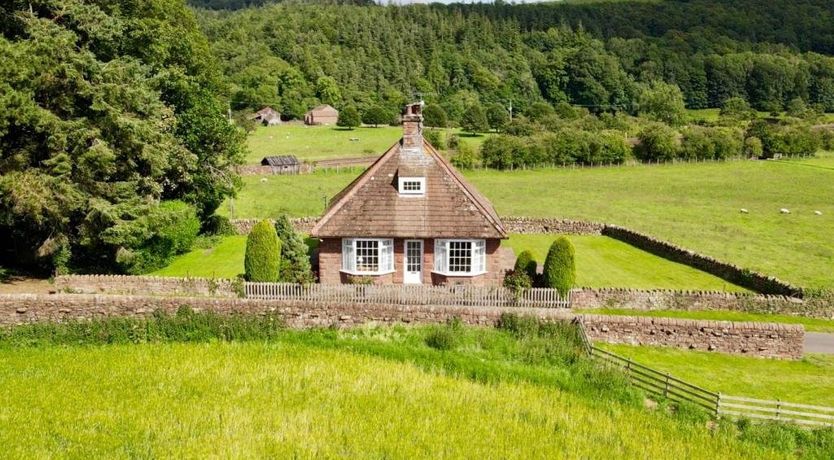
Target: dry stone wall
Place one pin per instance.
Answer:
(700, 300)
(300, 224)
(537, 225)
(146, 285)
(756, 339)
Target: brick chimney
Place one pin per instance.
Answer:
(413, 128)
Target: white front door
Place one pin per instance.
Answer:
(413, 262)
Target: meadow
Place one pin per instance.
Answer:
(601, 262)
(808, 380)
(368, 393)
(313, 143)
(694, 205)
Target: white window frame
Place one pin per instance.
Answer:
(384, 253)
(478, 257)
(419, 180)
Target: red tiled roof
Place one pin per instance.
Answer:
(371, 205)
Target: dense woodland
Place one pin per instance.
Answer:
(115, 149)
(600, 55)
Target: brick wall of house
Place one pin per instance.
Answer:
(499, 260)
(755, 339)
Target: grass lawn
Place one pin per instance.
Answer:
(808, 381)
(606, 262)
(693, 205)
(224, 259)
(326, 394)
(811, 324)
(601, 262)
(327, 142)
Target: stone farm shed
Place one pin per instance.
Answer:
(322, 115)
(267, 115)
(282, 164)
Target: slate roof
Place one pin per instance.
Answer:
(280, 160)
(371, 205)
(327, 108)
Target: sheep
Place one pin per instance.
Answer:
(785, 211)
(263, 179)
(818, 213)
(744, 211)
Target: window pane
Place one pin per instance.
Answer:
(367, 255)
(460, 256)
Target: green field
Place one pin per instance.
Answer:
(601, 262)
(693, 205)
(606, 262)
(811, 324)
(807, 381)
(326, 142)
(372, 393)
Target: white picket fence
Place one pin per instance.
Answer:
(457, 295)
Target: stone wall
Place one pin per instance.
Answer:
(536, 225)
(145, 285)
(737, 275)
(300, 224)
(755, 339)
(700, 300)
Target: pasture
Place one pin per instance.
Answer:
(313, 143)
(363, 393)
(696, 206)
(807, 381)
(601, 262)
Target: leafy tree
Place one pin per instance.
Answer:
(539, 111)
(753, 147)
(376, 116)
(327, 90)
(560, 266)
(295, 258)
(658, 142)
(526, 263)
(348, 117)
(474, 120)
(465, 158)
(262, 261)
(661, 101)
(737, 109)
(497, 116)
(434, 116)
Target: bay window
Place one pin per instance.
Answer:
(367, 256)
(460, 257)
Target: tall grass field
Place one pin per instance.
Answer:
(184, 389)
(693, 205)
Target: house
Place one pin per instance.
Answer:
(411, 218)
(282, 164)
(322, 115)
(267, 115)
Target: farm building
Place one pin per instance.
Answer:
(282, 164)
(322, 115)
(411, 218)
(267, 115)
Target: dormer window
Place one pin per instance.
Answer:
(412, 186)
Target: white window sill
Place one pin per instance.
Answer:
(348, 272)
(460, 274)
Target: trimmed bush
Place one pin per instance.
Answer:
(263, 253)
(560, 266)
(526, 263)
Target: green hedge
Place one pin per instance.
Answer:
(526, 263)
(263, 253)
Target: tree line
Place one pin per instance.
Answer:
(294, 55)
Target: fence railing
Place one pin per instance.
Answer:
(763, 409)
(455, 295)
(663, 384)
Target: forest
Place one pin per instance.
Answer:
(601, 55)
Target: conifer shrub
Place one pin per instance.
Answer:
(262, 262)
(560, 266)
(526, 263)
(295, 257)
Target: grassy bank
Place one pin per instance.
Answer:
(808, 381)
(371, 392)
